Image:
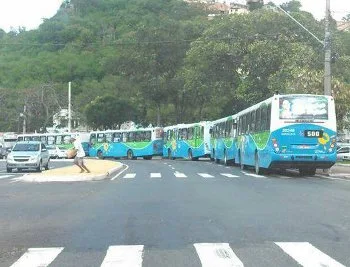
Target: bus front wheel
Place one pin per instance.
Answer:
(130, 154)
(100, 154)
(258, 169)
(225, 159)
(169, 154)
(241, 161)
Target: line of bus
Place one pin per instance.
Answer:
(57, 143)
(191, 141)
(284, 131)
(140, 142)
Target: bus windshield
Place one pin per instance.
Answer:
(303, 107)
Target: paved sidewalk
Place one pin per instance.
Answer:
(100, 169)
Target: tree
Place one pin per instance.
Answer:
(292, 6)
(108, 112)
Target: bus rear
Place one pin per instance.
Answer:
(303, 132)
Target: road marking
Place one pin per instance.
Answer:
(307, 255)
(173, 168)
(205, 175)
(37, 257)
(253, 175)
(180, 175)
(217, 254)
(123, 256)
(129, 176)
(229, 175)
(5, 176)
(156, 175)
(119, 173)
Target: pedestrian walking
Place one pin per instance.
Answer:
(80, 154)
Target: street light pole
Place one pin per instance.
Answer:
(69, 108)
(327, 58)
(24, 119)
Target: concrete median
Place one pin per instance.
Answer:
(100, 169)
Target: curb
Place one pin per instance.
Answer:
(107, 174)
(63, 178)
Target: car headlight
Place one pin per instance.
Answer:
(33, 157)
(10, 157)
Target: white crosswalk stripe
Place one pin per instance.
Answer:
(37, 257)
(209, 254)
(155, 175)
(229, 175)
(123, 256)
(180, 175)
(129, 175)
(205, 175)
(217, 254)
(307, 255)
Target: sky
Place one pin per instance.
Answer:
(29, 13)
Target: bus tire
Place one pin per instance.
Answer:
(225, 159)
(241, 161)
(100, 154)
(212, 155)
(130, 154)
(307, 171)
(169, 153)
(190, 156)
(258, 169)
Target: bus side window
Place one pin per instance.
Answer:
(116, 137)
(108, 137)
(268, 121)
(92, 138)
(258, 120)
(244, 123)
(148, 136)
(66, 139)
(125, 137)
(191, 133)
(263, 118)
(239, 126)
(253, 121)
(131, 137)
(100, 138)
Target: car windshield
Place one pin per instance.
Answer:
(26, 147)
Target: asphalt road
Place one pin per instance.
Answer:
(177, 213)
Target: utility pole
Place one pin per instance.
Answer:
(69, 108)
(327, 49)
(24, 119)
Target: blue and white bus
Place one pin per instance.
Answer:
(223, 135)
(190, 141)
(141, 142)
(288, 131)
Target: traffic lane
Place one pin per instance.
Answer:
(171, 213)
